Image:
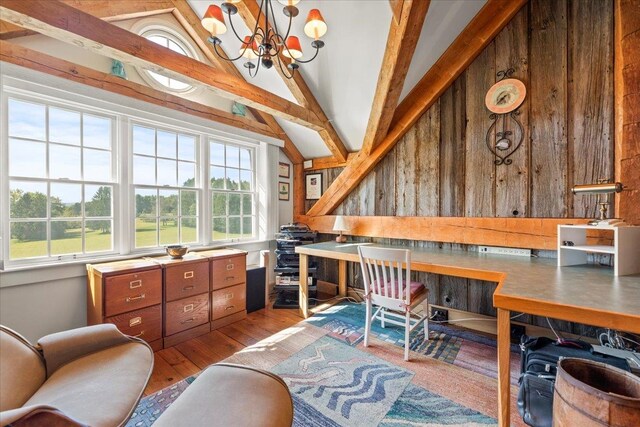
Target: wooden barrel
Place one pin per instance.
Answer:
(589, 393)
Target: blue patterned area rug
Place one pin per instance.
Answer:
(336, 381)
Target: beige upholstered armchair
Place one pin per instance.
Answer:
(87, 376)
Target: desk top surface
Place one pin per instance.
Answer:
(528, 284)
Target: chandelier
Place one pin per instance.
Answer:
(265, 45)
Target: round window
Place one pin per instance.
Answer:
(175, 43)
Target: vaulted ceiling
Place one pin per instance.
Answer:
(343, 77)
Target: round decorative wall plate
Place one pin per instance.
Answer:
(505, 96)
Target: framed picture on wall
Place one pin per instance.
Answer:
(314, 186)
(283, 191)
(284, 170)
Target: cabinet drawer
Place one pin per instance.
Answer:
(186, 313)
(228, 271)
(228, 301)
(145, 323)
(185, 280)
(132, 291)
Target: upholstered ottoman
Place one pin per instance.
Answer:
(231, 395)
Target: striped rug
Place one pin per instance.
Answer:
(336, 381)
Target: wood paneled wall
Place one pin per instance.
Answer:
(563, 51)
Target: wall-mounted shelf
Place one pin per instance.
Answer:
(625, 249)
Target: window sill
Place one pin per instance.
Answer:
(76, 268)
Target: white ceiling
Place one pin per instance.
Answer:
(344, 75)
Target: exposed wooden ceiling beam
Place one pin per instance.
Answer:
(396, 9)
(109, 10)
(34, 60)
(492, 18)
(191, 23)
(401, 44)
(62, 22)
(249, 10)
(328, 162)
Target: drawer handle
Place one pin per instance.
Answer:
(230, 277)
(229, 266)
(231, 307)
(137, 297)
(135, 321)
(187, 308)
(135, 284)
(187, 321)
(188, 274)
(138, 335)
(188, 288)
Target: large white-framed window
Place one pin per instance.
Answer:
(166, 186)
(60, 181)
(232, 178)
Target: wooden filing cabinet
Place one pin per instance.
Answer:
(186, 297)
(129, 295)
(228, 286)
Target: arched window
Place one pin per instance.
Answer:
(169, 39)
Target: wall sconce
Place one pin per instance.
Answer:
(340, 225)
(603, 188)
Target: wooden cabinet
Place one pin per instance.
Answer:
(228, 286)
(129, 295)
(166, 301)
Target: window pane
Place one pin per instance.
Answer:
(245, 158)
(66, 237)
(233, 179)
(189, 230)
(28, 239)
(144, 170)
(233, 156)
(217, 154)
(176, 48)
(97, 200)
(247, 226)
(247, 204)
(186, 174)
(163, 80)
(162, 41)
(27, 120)
(146, 221)
(219, 229)
(64, 126)
(168, 203)
(167, 170)
(144, 140)
(96, 131)
(186, 147)
(27, 158)
(234, 204)
(167, 144)
(234, 228)
(219, 202)
(178, 85)
(64, 162)
(168, 231)
(97, 165)
(98, 236)
(217, 177)
(188, 203)
(65, 200)
(28, 200)
(245, 180)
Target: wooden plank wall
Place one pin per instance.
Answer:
(563, 51)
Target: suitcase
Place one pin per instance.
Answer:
(539, 364)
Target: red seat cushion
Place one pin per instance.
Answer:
(415, 289)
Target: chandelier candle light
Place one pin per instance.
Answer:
(266, 43)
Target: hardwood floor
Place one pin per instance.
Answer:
(190, 357)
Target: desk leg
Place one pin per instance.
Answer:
(504, 353)
(304, 286)
(342, 278)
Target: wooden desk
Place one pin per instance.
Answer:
(588, 294)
